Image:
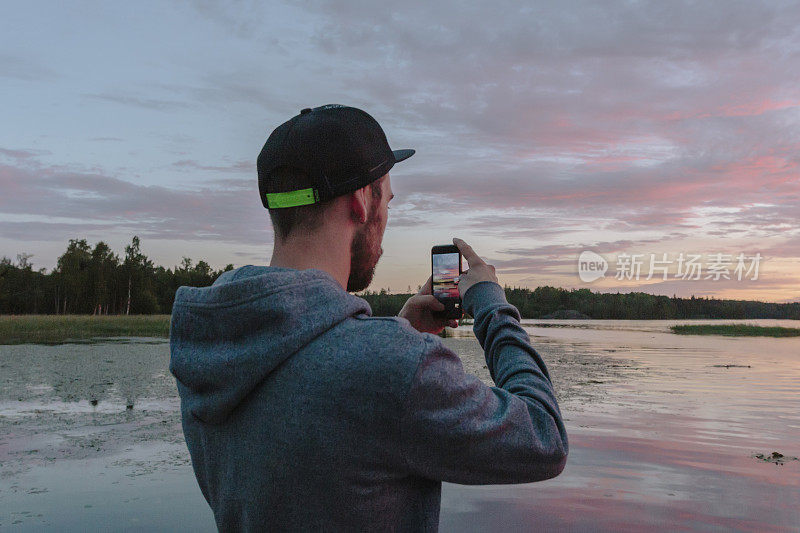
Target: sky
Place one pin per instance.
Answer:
(542, 130)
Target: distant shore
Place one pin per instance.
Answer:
(736, 330)
(82, 329)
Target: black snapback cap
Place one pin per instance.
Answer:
(340, 148)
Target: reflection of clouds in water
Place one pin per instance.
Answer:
(102, 371)
(660, 436)
(581, 375)
(743, 388)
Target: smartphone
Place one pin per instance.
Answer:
(445, 272)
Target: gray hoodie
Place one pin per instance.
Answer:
(301, 411)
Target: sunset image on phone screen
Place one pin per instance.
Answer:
(445, 275)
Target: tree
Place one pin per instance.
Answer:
(73, 268)
(139, 272)
(102, 268)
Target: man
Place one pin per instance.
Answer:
(302, 411)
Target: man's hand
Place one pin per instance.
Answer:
(418, 311)
(478, 269)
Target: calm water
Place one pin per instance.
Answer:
(663, 429)
(664, 439)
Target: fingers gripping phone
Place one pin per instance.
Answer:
(445, 272)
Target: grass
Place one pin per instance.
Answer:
(736, 330)
(63, 329)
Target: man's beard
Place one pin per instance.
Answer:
(364, 254)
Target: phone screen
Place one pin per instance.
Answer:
(445, 275)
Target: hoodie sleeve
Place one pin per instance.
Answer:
(455, 428)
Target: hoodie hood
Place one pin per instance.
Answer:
(227, 338)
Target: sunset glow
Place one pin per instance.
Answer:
(540, 131)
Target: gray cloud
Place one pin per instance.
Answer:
(248, 167)
(142, 102)
(24, 69)
(209, 212)
(33, 231)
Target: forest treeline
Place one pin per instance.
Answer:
(95, 280)
(545, 301)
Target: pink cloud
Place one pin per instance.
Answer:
(740, 110)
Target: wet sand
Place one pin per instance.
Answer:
(663, 433)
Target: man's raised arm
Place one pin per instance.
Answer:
(455, 428)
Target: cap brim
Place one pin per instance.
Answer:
(400, 155)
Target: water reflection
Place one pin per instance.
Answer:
(115, 372)
(22, 409)
(663, 429)
(665, 441)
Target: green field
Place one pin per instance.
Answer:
(736, 330)
(62, 329)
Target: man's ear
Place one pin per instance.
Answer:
(358, 205)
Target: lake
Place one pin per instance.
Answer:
(664, 432)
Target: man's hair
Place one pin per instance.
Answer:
(308, 217)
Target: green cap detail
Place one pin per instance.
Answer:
(292, 198)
